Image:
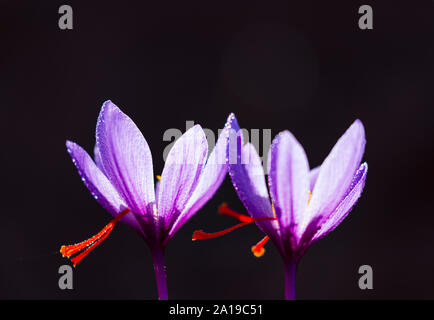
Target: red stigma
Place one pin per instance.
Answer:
(199, 234)
(91, 243)
(225, 210)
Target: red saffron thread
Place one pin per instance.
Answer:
(91, 243)
(225, 210)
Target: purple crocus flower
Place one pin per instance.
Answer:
(121, 179)
(305, 204)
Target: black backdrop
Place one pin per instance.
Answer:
(302, 65)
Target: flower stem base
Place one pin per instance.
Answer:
(290, 273)
(160, 273)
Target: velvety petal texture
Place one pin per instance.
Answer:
(126, 158)
(97, 157)
(181, 174)
(98, 184)
(336, 173)
(346, 204)
(247, 174)
(313, 176)
(289, 182)
(210, 180)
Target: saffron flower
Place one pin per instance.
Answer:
(121, 179)
(306, 204)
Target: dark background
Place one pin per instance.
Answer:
(301, 65)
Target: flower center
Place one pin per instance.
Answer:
(91, 243)
(258, 250)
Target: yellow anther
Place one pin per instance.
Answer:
(258, 252)
(310, 197)
(274, 211)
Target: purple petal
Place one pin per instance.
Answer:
(247, 174)
(313, 176)
(289, 182)
(98, 184)
(97, 157)
(336, 173)
(210, 180)
(345, 206)
(126, 158)
(181, 174)
(157, 190)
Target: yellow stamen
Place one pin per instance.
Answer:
(310, 197)
(274, 211)
(158, 178)
(258, 250)
(258, 253)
